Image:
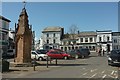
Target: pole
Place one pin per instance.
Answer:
(47, 62)
(34, 67)
(56, 61)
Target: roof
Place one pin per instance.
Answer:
(3, 18)
(52, 29)
(115, 33)
(87, 33)
(104, 31)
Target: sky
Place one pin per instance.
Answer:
(87, 16)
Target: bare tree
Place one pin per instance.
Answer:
(73, 31)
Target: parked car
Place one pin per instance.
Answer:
(84, 52)
(38, 56)
(114, 58)
(59, 54)
(10, 53)
(74, 53)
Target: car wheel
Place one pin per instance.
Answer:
(76, 57)
(40, 58)
(65, 57)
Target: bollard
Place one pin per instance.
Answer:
(50, 60)
(34, 67)
(33, 63)
(47, 62)
(56, 61)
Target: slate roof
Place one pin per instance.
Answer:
(52, 29)
(3, 18)
(87, 33)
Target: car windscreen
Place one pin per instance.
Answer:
(41, 51)
(115, 52)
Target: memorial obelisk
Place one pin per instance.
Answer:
(23, 39)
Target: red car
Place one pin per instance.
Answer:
(59, 54)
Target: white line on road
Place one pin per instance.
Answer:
(103, 71)
(115, 71)
(93, 70)
(83, 68)
(84, 73)
(112, 72)
(93, 75)
(110, 76)
(104, 76)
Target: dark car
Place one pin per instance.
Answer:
(59, 54)
(74, 54)
(114, 58)
(84, 52)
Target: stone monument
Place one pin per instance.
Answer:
(23, 39)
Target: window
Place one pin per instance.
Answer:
(81, 39)
(91, 39)
(54, 35)
(115, 40)
(108, 38)
(61, 48)
(100, 39)
(47, 41)
(47, 35)
(3, 36)
(86, 39)
(54, 41)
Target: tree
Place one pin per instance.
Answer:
(73, 31)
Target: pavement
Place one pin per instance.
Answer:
(16, 72)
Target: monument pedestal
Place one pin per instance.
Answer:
(14, 64)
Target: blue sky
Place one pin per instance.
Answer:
(87, 16)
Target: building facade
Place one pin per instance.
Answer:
(51, 37)
(11, 39)
(81, 40)
(115, 40)
(87, 40)
(4, 34)
(67, 43)
(104, 40)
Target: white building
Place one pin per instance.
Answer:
(11, 39)
(104, 40)
(116, 40)
(4, 32)
(88, 40)
(82, 40)
(51, 37)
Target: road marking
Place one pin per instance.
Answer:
(84, 73)
(93, 70)
(110, 76)
(103, 71)
(112, 72)
(93, 75)
(83, 68)
(104, 76)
